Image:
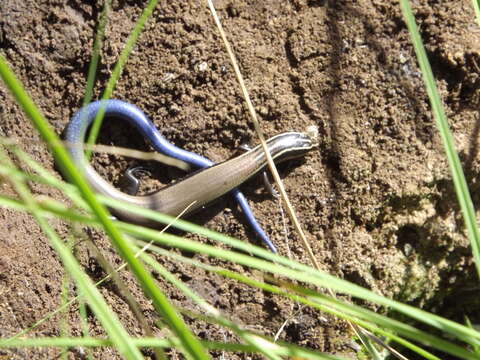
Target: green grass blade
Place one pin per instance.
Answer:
(310, 275)
(369, 346)
(475, 347)
(268, 267)
(282, 266)
(292, 352)
(108, 319)
(340, 285)
(461, 187)
(64, 295)
(82, 309)
(203, 304)
(160, 302)
(97, 46)
(476, 8)
(117, 70)
(74, 216)
(356, 314)
(295, 298)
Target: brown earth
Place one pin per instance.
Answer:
(375, 199)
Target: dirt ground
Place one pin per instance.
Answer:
(375, 199)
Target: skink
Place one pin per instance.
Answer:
(201, 187)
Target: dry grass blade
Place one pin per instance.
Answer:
(116, 150)
(291, 212)
(137, 154)
(382, 343)
(271, 164)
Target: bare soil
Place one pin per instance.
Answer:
(375, 199)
